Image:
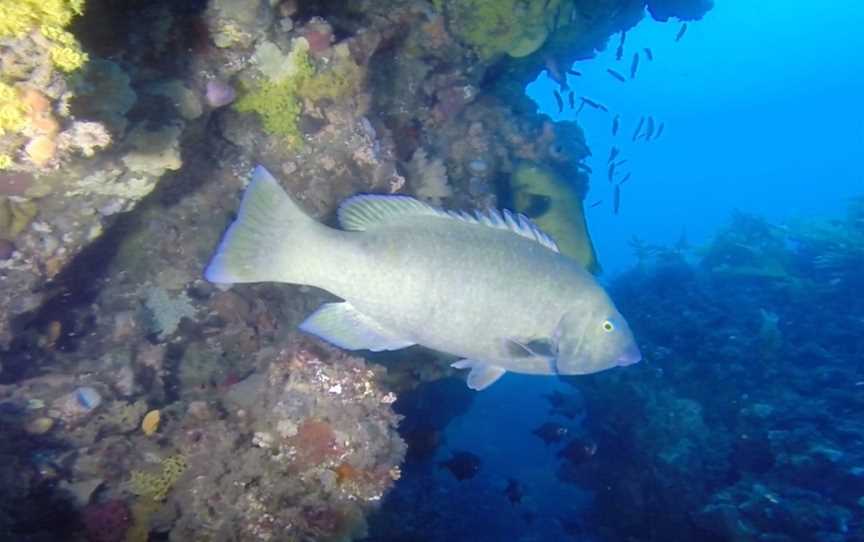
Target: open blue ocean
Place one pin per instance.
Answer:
(431, 271)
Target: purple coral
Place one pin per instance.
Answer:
(219, 93)
(107, 521)
(15, 183)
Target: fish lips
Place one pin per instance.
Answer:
(630, 356)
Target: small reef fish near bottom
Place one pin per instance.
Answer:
(504, 298)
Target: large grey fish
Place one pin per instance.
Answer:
(490, 288)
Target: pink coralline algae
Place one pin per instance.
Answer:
(319, 34)
(107, 521)
(15, 183)
(219, 94)
(7, 248)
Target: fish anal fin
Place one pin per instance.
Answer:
(344, 326)
(482, 374)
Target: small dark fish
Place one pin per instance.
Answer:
(649, 131)
(619, 53)
(613, 152)
(595, 204)
(590, 102)
(603, 108)
(463, 465)
(559, 101)
(556, 399)
(422, 442)
(611, 172)
(659, 131)
(634, 65)
(681, 32)
(571, 99)
(551, 432)
(616, 75)
(624, 179)
(616, 199)
(514, 491)
(581, 106)
(649, 54)
(579, 451)
(615, 124)
(574, 73)
(638, 128)
(555, 73)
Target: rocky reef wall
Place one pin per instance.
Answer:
(127, 133)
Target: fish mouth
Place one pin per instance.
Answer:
(630, 356)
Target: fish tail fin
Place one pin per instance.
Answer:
(271, 240)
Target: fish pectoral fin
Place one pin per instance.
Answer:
(344, 326)
(543, 348)
(482, 374)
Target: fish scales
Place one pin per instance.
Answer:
(413, 290)
(489, 287)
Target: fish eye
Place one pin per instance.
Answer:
(608, 326)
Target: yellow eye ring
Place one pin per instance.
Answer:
(608, 326)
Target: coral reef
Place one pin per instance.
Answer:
(320, 452)
(429, 178)
(156, 485)
(498, 27)
(107, 522)
(737, 426)
(117, 179)
(555, 205)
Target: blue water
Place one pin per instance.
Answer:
(763, 113)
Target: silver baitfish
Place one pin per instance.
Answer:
(490, 287)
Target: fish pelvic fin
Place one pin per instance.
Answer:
(482, 374)
(269, 240)
(346, 327)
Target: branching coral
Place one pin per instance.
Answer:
(36, 53)
(13, 113)
(429, 177)
(48, 18)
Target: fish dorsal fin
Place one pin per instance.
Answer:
(359, 213)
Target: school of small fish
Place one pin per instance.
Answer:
(647, 128)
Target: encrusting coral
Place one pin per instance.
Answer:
(287, 80)
(37, 53)
(495, 27)
(156, 485)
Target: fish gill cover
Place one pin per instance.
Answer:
(140, 401)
